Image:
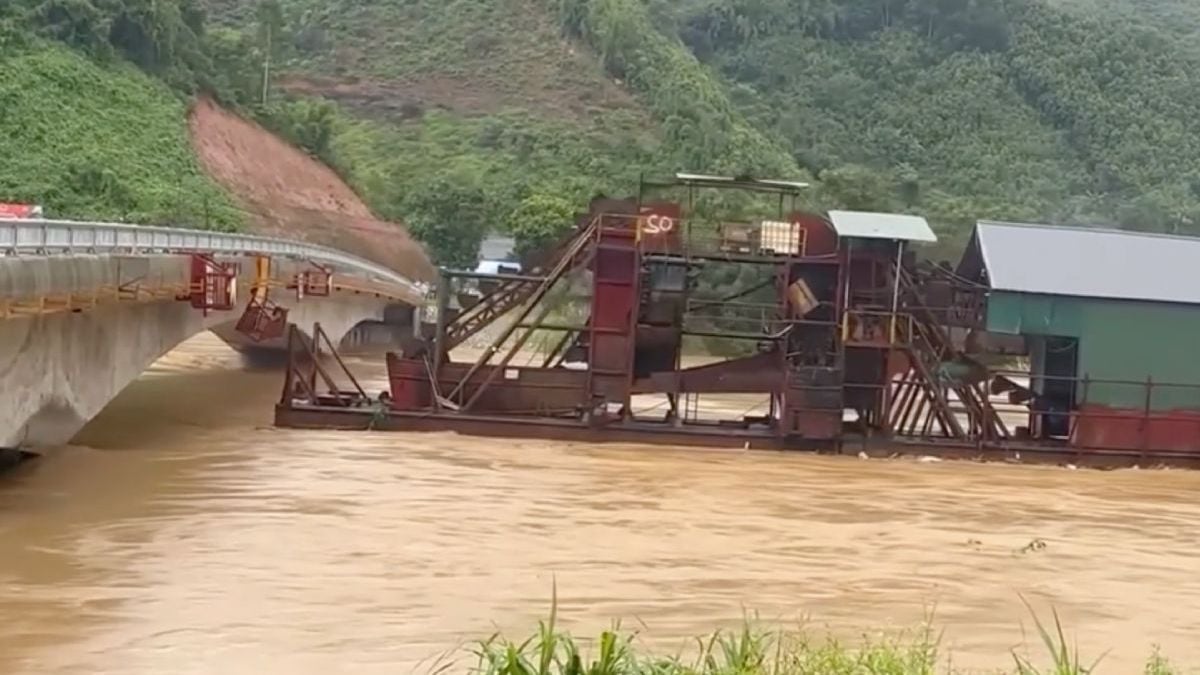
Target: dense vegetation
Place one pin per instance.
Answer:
(97, 140)
(962, 109)
(464, 112)
(462, 116)
(956, 109)
(753, 650)
(93, 102)
(454, 179)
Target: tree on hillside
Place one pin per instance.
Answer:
(238, 74)
(539, 220)
(78, 23)
(450, 215)
(860, 188)
(307, 123)
(164, 37)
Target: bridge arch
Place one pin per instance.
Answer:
(86, 308)
(58, 371)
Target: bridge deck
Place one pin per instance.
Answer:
(29, 291)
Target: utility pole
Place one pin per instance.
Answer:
(267, 68)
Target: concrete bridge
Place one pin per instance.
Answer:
(86, 307)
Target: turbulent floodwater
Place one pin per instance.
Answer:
(182, 534)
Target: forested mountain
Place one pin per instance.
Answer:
(1180, 17)
(460, 116)
(982, 108)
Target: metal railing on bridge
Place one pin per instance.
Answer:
(65, 237)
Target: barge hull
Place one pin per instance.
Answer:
(720, 437)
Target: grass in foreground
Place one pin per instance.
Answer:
(754, 651)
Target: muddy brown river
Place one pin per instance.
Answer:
(182, 534)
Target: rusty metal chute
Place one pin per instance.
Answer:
(503, 293)
(262, 319)
(570, 257)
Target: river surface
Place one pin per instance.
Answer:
(182, 534)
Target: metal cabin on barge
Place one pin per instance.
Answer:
(835, 334)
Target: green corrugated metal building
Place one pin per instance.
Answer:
(1103, 306)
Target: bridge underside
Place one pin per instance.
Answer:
(58, 369)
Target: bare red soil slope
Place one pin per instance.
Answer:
(289, 194)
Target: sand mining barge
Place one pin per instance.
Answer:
(1044, 343)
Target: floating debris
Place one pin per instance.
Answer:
(1033, 546)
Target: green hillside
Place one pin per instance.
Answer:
(986, 108)
(496, 99)
(1073, 111)
(98, 142)
(467, 111)
(1179, 17)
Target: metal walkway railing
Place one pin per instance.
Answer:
(65, 237)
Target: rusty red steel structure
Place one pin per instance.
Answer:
(213, 287)
(262, 320)
(213, 284)
(848, 343)
(317, 282)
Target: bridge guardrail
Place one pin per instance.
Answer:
(47, 237)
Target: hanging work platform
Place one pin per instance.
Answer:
(213, 285)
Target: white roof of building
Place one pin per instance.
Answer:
(493, 266)
(1090, 262)
(865, 225)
